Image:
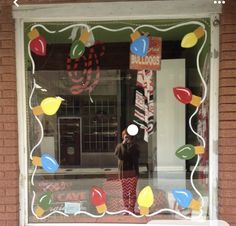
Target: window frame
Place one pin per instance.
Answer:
(104, 11)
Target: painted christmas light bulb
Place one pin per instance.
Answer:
(47, 162)
(38, 43)
(44, 203)
(188, 151)
(140, 44)
(145, 200)
(98, 199)
(191, 39)
(48, 106)
(185, 199)
(78, 46)
(184, 95)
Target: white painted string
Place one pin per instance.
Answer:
(41, 218)
(74, 25)
(111, 29)
(31, 58)
(33, 174)
(42, 26)
(89, 214)
(124, 211)
(39, 122)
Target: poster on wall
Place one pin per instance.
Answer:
(152, 61)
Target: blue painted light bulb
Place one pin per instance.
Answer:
(140, 46)
(185, 199)
(49, 164)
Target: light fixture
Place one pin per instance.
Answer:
(185, 199)
(188, 151)
(47, 162)
(38, 43)
(145, 200)
(98, 199)
(184, 95)
(48, 106)
(140, 44)
(132, 130)
(191, 39)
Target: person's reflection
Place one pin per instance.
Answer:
(127, 153)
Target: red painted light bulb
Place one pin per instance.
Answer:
(38, 46)
(184, 95)
(98, 199)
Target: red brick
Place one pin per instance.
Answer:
(7, 44)
(228, 29)
(8, 134)
(9, 78)
(7, 216)
(2, 192)
(227, 73)
(9, 110)
(9, 93)
(228, 64)
(227, 108)
(8, 167)
(228, 46)
(8, 184)
(2, 223)
(227, 99)
(229, 55)
(227, 217)
(7, 27)
(227, 19)
(229, 167)
(4, 35)
(9, 150)
(10, 143)
(10, 159)
(1, 143)
(227, 133)
(227, 193)
(227, 179)
(8, 61)
(8, 118)
(6, 53)
(227, 125)
(227, 210)
(228, 90)
(223, 116)
(12, 223)
(12, 175)
(12, 209)
(227, 175)
(12, 192)
(1, 126)
(7, 85)
(1, 160)
(7, 69)
(10, 126)
(227, 142)
(228, 82)
(8, 102)
(2, 208)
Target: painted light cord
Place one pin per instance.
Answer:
(31, 58)
(42, 26)
(89, 214)
(46, 216)
(171, 27)
(33, 174)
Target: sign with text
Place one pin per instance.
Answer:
(152, 61)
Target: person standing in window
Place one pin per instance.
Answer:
(127, 153)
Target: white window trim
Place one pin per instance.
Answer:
(104, 12)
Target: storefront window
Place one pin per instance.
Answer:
(88, 82)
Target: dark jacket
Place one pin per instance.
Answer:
(128, 156)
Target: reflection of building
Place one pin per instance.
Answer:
(11, 150)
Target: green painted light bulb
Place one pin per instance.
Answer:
(45, 200)
(77, 49)
(185, 152)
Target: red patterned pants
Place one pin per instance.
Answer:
(129, 192)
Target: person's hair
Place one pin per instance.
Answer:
(124, 132)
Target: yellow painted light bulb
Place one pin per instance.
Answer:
(51, 105)
(191, 39)
(145, 200)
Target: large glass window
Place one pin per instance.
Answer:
(86, 161)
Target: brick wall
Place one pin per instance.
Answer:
(8, 122)
(227, 133)
(9, 200)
